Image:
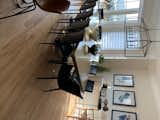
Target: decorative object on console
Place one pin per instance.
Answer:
(100, 31)
(123, 80)
(93, 69)
(89, 86)
(123, 115)
(93, 49)
(103, 102)
(105, 107)
(101, 14)
(126, 98)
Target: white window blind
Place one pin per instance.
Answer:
(113, 40)
(117, 40)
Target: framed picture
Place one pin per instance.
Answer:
(126, 98)
(123, 80)
(123, 115)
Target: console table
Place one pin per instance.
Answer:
(91, 99)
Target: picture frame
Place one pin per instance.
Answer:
(123, 80)
(123, 115)
(125, 98)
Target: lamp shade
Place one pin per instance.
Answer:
(91, 33)
(55, 6)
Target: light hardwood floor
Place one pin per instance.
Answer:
(22, 58)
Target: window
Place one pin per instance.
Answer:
(132, 4)
(113, 40)
(122, 17)
(119, 11)
(122, 4)
(131, 17)
(117, 40)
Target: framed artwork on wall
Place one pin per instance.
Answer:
(123, 80)
(123, 115)
(126, 98)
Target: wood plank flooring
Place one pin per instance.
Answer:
(22, 58)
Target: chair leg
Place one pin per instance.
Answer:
(47, 77)
(50, 90)
(56, 62)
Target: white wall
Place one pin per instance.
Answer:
(146, 104)
(144, 96)
(154, 76)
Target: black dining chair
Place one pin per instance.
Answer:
(82, 2)
(81, 20)
(68, 80)
(85, 5)
(67, 43)
(88, 5)
(82, 15)
(73, 25)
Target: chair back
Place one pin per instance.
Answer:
(73, 37)
(69, 42)
(84, 14)
(68, 81)
(77, 24)
(55, 6)
(66, 49)
(88, 5)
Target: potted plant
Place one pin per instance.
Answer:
(101, 58)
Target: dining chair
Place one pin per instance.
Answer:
(88, 5)
(82, 2)
(81, 15)
(68, 80)
(73, 25)
(66, 43)
(85, 5)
